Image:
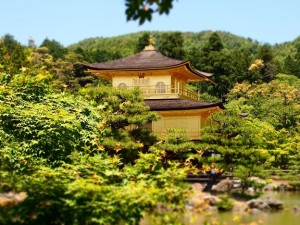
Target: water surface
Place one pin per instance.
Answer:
(284, 217)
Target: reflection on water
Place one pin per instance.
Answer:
(284, 217)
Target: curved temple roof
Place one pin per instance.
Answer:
(145, 60)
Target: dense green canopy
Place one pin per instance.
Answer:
(81, 153)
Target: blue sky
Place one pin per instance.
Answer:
(70, 21)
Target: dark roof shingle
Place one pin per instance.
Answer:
(179, 104)
(146, 59)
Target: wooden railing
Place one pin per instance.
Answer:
(189, 94)
(166, 91)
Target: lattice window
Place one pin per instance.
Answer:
(160, 87)
(122, 86)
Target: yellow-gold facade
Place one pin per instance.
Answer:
(163, 83)
(192, 121)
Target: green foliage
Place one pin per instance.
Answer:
(94, 190)
(143, 10)
(125, 118)
(276, 103)
(245, 173)
(142, 42)
(225, 203)
(42, 125)
(81, 159)
(295, 184)
(103, 56)
(205, 97)
(12, 55)
(88, 157)
(227, 56)
(171, 45)
(175, 147)
(123, 45)
(268, 70)
(227, 66)
(265, 138)
(214, 43)
(126, 44)
(56, 49)
(244, 144)
(287, 56)
(290, 80)
(78, 193)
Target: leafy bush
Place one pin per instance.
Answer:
(50, 130)
(82, 159)
(225, 203)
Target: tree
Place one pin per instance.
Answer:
(103, 55)
(291, 66)
(215, 59)
(171, 45)
(142, 42)
(268, 69)
(276, 102)
(238, 145)
(56, 49)
(143, 10)
(126, 116)
(85, 55)
(12, 54)
(10, 42)
(214, 43)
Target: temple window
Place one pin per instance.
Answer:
(122, 86)
(160, 87)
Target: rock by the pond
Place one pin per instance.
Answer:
(271, 187)
(265, 204)
(254, 211)
(281, 185)
(285, 187)
(296, 209)
(211, 199)
(223, 186)
(197, 187)
(259, 204)
(201, 201)
(240, 206)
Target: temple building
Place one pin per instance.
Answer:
(163, 83)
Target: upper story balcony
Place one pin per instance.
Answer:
(165, 92)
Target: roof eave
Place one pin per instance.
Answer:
(90, 66)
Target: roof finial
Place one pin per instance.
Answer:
(151, 40)
(151, 44)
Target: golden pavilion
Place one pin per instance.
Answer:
(163, 83)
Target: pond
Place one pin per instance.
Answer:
(283, 217)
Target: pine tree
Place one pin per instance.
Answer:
(142, 42)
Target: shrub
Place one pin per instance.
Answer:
(225, 203)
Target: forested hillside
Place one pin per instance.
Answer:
(126, 44)
(231, 58)
(68, 157)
